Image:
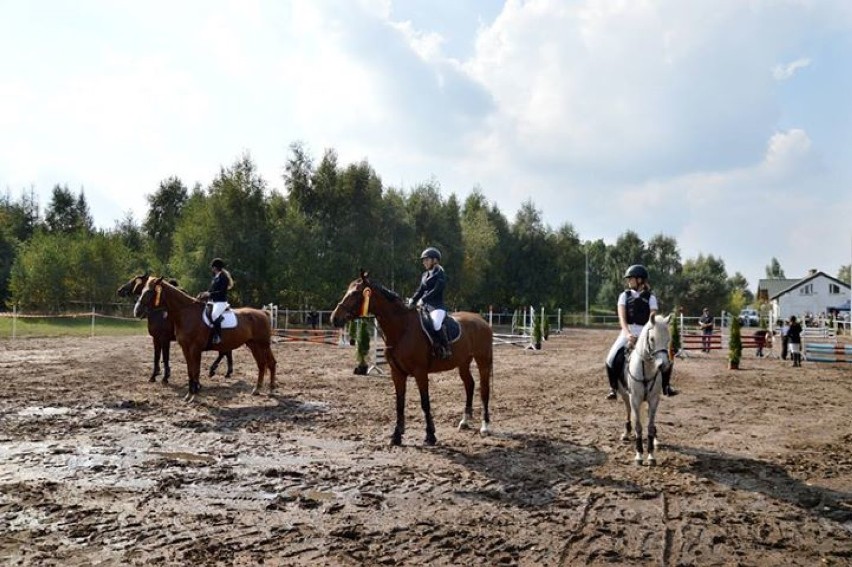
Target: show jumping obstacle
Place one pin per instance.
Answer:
(825, 352)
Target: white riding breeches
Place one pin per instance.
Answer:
(219, 307)
(437, 317)
(619, 343)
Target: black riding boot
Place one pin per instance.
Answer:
(217, 331)
(613, 382)
(667, 382)
(444, 351)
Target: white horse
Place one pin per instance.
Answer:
(642, 382)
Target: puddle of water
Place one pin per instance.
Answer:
(38, 411)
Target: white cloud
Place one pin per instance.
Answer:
(784, 72)
(661, 116)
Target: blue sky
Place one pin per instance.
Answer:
(723, 123)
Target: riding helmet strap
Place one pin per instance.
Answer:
(365, 303)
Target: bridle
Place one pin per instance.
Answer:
(650, 355)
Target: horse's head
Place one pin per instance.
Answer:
(655, 345)
(149, 297)
(361, 298)
(133, 287)
(355, 302)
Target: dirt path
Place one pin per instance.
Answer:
(97, 466)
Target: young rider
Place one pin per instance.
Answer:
(635, 306)
(431, 295)
(217, 295)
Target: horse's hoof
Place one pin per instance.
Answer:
(228, 374)
(396, 440)
(484, 431)
(212, 373)
(152, 378)
(637, 461)
(165, 380)
(255, 392)
(463, 424)
(625, 437)
(652, 462)
(430, 440)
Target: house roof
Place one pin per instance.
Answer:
(773, 286)
(803, 281)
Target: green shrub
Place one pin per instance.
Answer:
(735, 346)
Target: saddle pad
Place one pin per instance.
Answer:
(452, 325)
(229, 319)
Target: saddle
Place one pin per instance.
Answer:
(229, 318)
(450, 325)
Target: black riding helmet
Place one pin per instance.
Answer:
(217, 263)
(431, 253)
(636, 271)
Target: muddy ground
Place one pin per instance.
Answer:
(99, 467)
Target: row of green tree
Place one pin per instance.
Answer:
(302, 248)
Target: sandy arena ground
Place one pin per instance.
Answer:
(99, 467)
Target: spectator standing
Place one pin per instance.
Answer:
(705, 323)
(794, 338)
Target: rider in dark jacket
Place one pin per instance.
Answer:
(217, 294)
(431, 295)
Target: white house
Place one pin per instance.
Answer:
(814, 295)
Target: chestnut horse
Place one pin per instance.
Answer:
(409, 352)
(254, 329)
(162, 333)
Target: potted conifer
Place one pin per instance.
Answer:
(362, 347)
(536, 330)
(735, 345)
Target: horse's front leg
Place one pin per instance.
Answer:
(653, 402)
(215, 366)
(167, 369)
(230, 358)
(628, 428)
(467, 380)
(423, 385)
(193, 370)
(399, 383)
(635, 405)
(156, 370)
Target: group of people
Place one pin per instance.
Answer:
(791, 340)
(790, 332)
(635, 306)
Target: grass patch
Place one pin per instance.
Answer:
(70, 326)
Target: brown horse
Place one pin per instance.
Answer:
(254, 329)
(162, 333)
(409, 352)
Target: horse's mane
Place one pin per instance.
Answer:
(389, 294)
(168, 282)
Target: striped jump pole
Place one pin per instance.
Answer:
(827, 352)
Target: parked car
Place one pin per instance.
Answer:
(749, 318)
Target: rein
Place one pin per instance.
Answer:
(649, 356)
